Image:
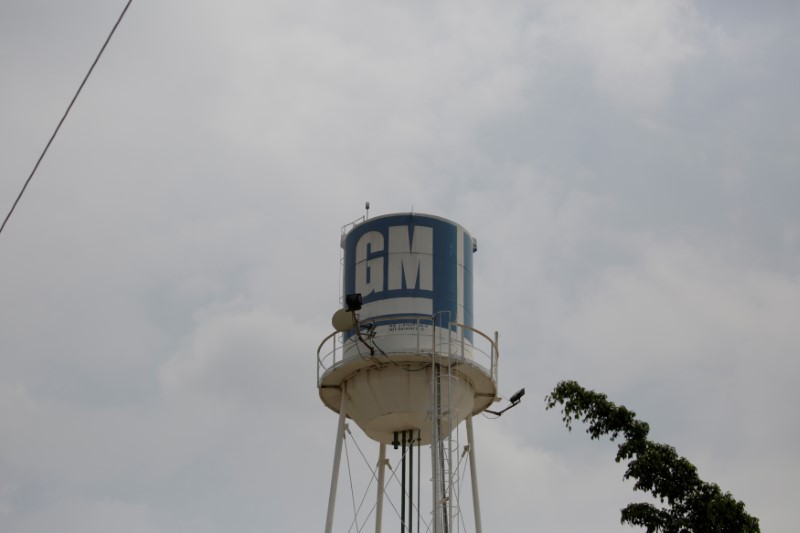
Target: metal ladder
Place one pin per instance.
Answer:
(444, 441)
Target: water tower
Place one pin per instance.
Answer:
(405, 361)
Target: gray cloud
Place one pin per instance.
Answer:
(627, 169)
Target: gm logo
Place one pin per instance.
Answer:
(410, 264)
(409, 256)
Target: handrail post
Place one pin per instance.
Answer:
(417, 329)
(495, 355)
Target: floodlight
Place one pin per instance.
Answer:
(515, 399)
(352, 302)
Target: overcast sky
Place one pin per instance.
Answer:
(629, 169)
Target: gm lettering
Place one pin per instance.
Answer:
(410, 259)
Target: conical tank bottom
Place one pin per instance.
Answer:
(391, 399)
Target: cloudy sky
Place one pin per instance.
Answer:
(629, 169)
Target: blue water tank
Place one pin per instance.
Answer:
(411, 265)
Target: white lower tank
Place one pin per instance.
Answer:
(385, 400)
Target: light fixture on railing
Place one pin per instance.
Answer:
(352, 302)
(515, 399)
(345, 319)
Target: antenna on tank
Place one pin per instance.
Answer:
(366, 206)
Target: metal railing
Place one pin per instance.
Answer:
(394, 335)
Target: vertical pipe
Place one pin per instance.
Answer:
(419, 475)
(403, 487)
(444, 496)
(381, 474)
(337, 458)
(411, 481)
(451, 500)
(473, 471)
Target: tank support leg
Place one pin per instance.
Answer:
(337, 457)
(381, 474)
(473, 471)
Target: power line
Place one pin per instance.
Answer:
(60, 122)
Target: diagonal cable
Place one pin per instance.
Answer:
(60, 122)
